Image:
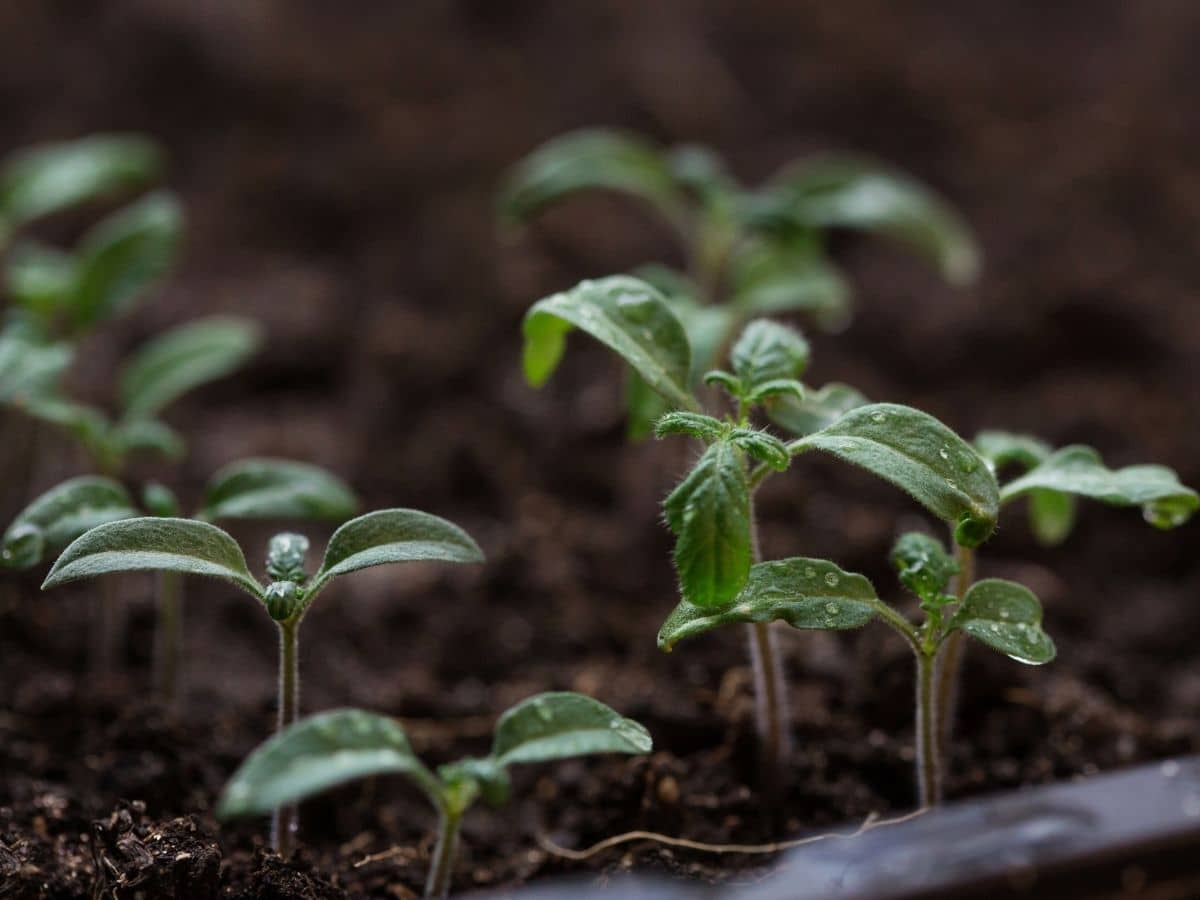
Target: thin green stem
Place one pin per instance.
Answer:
(441, 866)
(929, 757)
(284, 820)
(770, 688)
(951, 659)
(169, 637)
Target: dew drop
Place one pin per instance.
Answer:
(944, 453)
(540, 708)
(636, 308)
(831, 608)
(831, 579)
(1004, 613)
(878, 418)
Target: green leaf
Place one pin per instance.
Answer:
(767, 351)
(317, 753)
(708, 328)
(591, 159)
(848, 192)
(776, 387)
(693, 424)
(923, 565)
(920, 455)
(805, 593)
(40, 278)
(160, 500)
(393, 536)
(628, 316)
(87, 424)
(643, 406)
(50, 177)
(563, 724)
(153, 544)
(763, 446)
(1079, 470)
(1003, 448)
(1051, 516)
(30, 365)
(1007, 617)
(61, 515)
(709, 512)
(772, 278)
(177, 361)
(815, 410)
(146, 435)
(124, 256)
(276, 489)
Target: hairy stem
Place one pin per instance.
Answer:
(929, 756)
(951, 659)
(284, 820)
(770, 689)
(109, 629)
(441, 866)
(169, 637)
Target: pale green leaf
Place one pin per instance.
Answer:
(317, 753)
(815, 410)
(1003, 448)
(562, 724)
(146, 436)
(772, 278)
(1007, 617)
(628, 316)
(805, 593)
(61, 515)
(1051, 515)
(154, 544)
(1079, 470)
(767, 351)
(920, 455)
(709, 512)
(276, 489)
(30, 365)
(693, 424)
(40, 278)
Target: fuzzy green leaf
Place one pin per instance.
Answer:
(126, 255)
(920, 455)
(767, 351)
(805, 593)
(847, 192)
(153, 544)
(181, 359)
(562, 724)
(1003, 448)
(775, 388)
(40, 278)
(61, 515)
(1007, 617)
(591, 159)
(763, 446)
(317, 753)
(693, 424)
(923, 565)
(146, 436)
(51, 177)
(815, 410)
(1079, 470)
(628, 316)
(276, 489)
(30, 366)
(709, 512)
(770, 279)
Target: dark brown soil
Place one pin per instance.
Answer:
(339, 169)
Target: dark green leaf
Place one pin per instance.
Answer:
(923, 565)
(773, 278)
(815, 410)
(317, 753)
(1079, 470)
(153, 544)
(762, 446)
(125, 256)
(709, 512)
(1007, 617)
(767, 351)
(592, 159)
(276, 489)
(563, 724)
(628, 316)
(1051, 515)
(1003, 448)
(61, 515)
(805, 593)
(175, 362)
(920, 455)
(696, 425)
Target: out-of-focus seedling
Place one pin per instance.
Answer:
(188, 546)
(339, 746)
(749, 252)
(711, 512)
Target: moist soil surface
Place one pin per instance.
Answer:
(339, 170)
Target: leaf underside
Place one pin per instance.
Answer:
(261, 488)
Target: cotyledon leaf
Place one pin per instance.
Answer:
(1007, 617)
(625, 314)
(262, 488)
(558, 725)
(920, 455)
(62, 514)
(805, 593)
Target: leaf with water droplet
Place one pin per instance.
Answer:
(768, 351)
(1007, 617)
(923, 565)
(805, 593)
(562, 724)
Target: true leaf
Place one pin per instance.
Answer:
(628, 316)
(154, 544)
(815, 410)
(40, 278)
(923, 565)
(772, 278)
(1007, 617)
(62, 514)
(47, 178)
(1079, 470)
(805, 593)
(276, 489)
(316, 753)
(1003, 448)
(693, 424)
(767, 351)
(183, 358)
(124, 256)
(562, 724)
(592, 159)
(709, 512)
(920, 455)
(763, 446)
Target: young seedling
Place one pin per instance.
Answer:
(749, 251)
(187, 546)
(335, 747)
(711, 512)
(817, 594)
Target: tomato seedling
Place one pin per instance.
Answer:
(339, 746)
